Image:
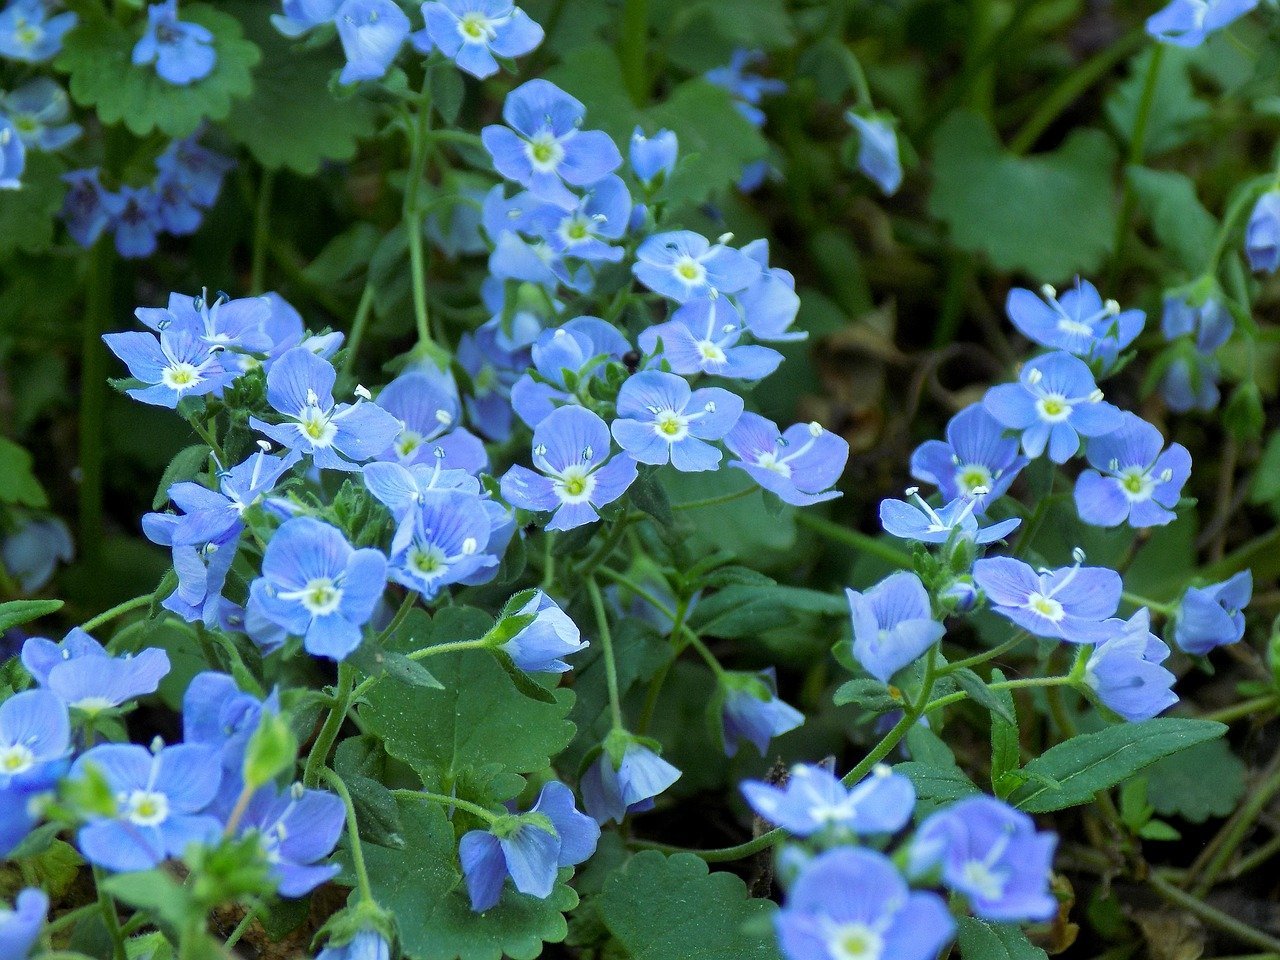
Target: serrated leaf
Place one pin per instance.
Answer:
(869, 694)
(1083, 765)
(936, 786)
(1184, 228)
(1205, 781)
(18, 484)
(980, 940)
(186, 463)
(673, 908)
(14, 613)
(27, 214)
(981, 694)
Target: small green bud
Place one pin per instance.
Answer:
(272, 749)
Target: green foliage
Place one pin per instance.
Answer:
(186, 464)
(26, 214)
(1175, 110)
(18, 485)
(14, 613)
(1198, 783)
(1180, 223)
(980, 940)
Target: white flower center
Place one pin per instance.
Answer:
(320, 596)
(316, 428)
(181, 376)
(1077, 327)
(475, 28)
(670, 426)
(690, 271)
(770, 461)
(147, 808)
(854, 941)
(710, 351)
(16, 759)
(1046, 606)
(970, 476)
(575, 485)
(986, 882)
(544, 152)
(1136, 484)
(1053, 408)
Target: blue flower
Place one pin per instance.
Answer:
(539, 647)
(580, 348)
(1262, 235)
(202, 568)
(1190, 382)
(297, 828)
(494, 364)
(892, 624)
(920, 522)
(220, 324)
(135, 219)
(85, 210)
(571, 449)
(300, 388)
(1213, 616)
(748, 89)
(473, 33)
(38, 110)
(702, 337)
(1124, 670)
(813, 800)
(81, 672)
(1186, 23)
(799, 466)
(1069, 603)
(188, 180)
(35, 732)
(182, 52)
(684, 265)
(991, 854)
(612, 790)
(976, 455)
(429, 414)
(214, 515)
(878, 150)
(217, 713)
(1077, 321)
(13, 156)
(20, 927)
(584, 231)
(300, 16)
(525, 850)
(652, 157)
(29, 34)
(769, 304)
(285, 329)
(160, 798)
(1053, 404)
(752, 711)
(365, 945)
(173, 366)
(542, 147)
(315, 586)
(1206, 320)
(441, 542)
(1131, 479)
(32, 551)
(661, 420)
(371, 33)
(851, 903)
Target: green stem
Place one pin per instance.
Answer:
(319, 754)
(93, 399)
(109, 917)
(243, 926)
(412, 216)
(120, 609)
(353, 831)
(548, 559)
(715, 501)
(1235, 831)
(1211, 915)
(1240, 205)
(211, 441)
(856, 539)
(472, 808)
(960, 695)
(363, 312)
(606, 644)
(456, 646)
(705, 653)
(1167, 609)
(607, 546)
(981, 658)
(1243, 709)
(261, 233)
(633, 47)
(1137, 151)
(721, 854)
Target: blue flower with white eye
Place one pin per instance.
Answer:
(748, 89)
(172, 366)
(1190, 382)
(652, 157)
(577, 476)
(188, 180)
(372, 33)
(1213, 616)
(301, 16)
(1132, 479)
(580, 348)
(977, 455)
(584, 231)
(135, 220)
(525, 850)
(852, 904)
(365, 945)
(702, 337)
(87, 678)
(85, 209)
(440, 542)
(32, 551)
(473, 33)
(337, 436)
(220, 323)
(35, 732)
(215, 515)
(991, 854)
(1077, 321)
(297, 828)
(31, 32)
(1069, 603)
(1124, 670)
(315, 586)
(182, 52)
(542, 147)
(752, 711)
(893, 624)
(13, 156)
(1053, 404)
(1205, 319)
(540, 647)
(430, 431)
(813, 800)
(769, 304)
(920, 522)
(20, 927)
(160, 797)
(1187, 23)
(285, 329)
(611, 790)
(684, 265)
(38, 111)
(878, 150)
(662, 420)
(1262, 235)
(799, 466)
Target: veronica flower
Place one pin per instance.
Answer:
(1124, 670)
(29, 33)
(32, 551)
(769, 304)
(135, 219)
(571, 451)
(852, 904)
(188, 181)
(798, 466)
(542, 147)
(13, 156)
(81, 672)
(430, 430)
(684, 265)
(878, 150)
(748, 89)
(584, 231)
(1213, 616)
(317, 587)
(159, 798)
(35, 731)
(472, 33)
(1187, 23)
(39, 110)
(172, 366)
(1132, 479)
(1069, 603)
(365, 945)
(580, 349)
(217, 713)
(286, 330)
(215, 515)
(612, 790)
(526, 850)
(702, 337)
(1262, 235)
(892, 624)
(297, 828)
(493, 368)
(540, 646)
(20, 927)
(752, 711)
(220, 324)
(1207, 321)
(1053, 404)
(976, 455)
(1077, 321)
(992, 854)
(301, 16)
(181, 52)
(201, 567)
(661, 420)
(813, 800)
(84, 207)
(371, 33)
(652, 157)
(300, 388)
(919, 521)
(441, 542)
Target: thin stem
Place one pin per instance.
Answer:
(1243, 709)
(1167, 609)
(412, 217)
(856, 539)
(205, 434)
(363, 311)
(705, 653)
(1255, 859)
(243, 926)
(716, 500)
(1137, 151)
(261, 232)
(1211, 915)
(93, 399)
(606, 644)
(109, 917)
(472, 808)
(607, 546)
(319, 754)
(455, 646)
(633, 47)
(721, 854)
(119, 610)
(548, 559)
(980, 658)
(353, 831)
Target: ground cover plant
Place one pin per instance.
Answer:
(643, 479)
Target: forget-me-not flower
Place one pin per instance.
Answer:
(611, 791)
(217, 713)
(20, 927)
(769, 304)
(84, 207)
(39, 110)
(661, 419)
(182, 52)
(1205, 320)
(652, 157)
(1213, 616)
(135, 220)
(300, 16)
(702, 337)
(752, 711)
(85, 676)
(1124, 670)
(430, 431)
(878, 150)
(585, 230)
(441, 542)
(220, 323)
(13, 155)
(813, 799)
(918, 521)
(1187, 23)
(31, 32)
(371, 33)
(684, 265)
(541, 646)
(33, 550)
(365, 945)
(798, 466)
(473, 33)
(1077, 321)
(1262, 235)
(1132, 479)
(1070, 603)
(893, 624)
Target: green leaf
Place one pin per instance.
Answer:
(936, 786)
(1205, 781)
(395, 666)
(648, 495)
(27, 214)
(185, 465)
(1083, 765)
(980, 940)
(1174, 110)
(1005, 755)
(522, 681)
(97, 54)
(1182, 226)
(14, 613)
(1050, 215)
(377, 813)
(672, 908)
(18, 485)
(422, 885)
(867, 693)
(981, 694)
(155, 891)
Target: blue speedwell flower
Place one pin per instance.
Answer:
(181, 52)
(1203, 318)
(473, 33)
(769, 304)
(752, 711)
(39, 110)
(216, 515)
(81, 672)
(430, 431)
(577, 476)
(684, 265)
(542, 147)
(315, 586)
(920, 522)
(220, 323)
(702, 337)
(1187, 23)
(652, 157)
(1070, 603)
(35, 732)
(1262, 235)
(852, 902)
(878, 150)
(540, 647)
(1131, 479)
(31, 32)
(441, 542)
(32, 551)
(217, 713)
(991, 854)
(526, 850)
(1077, 321)
(365, 945)
(584, 232)
(892, 624)
(1213, 616)
(813, 800)
(976, 455)
(611, 791)
(1053, 404)
(20, 927)
(202, 569)
(300, 16)
(1190, 382)
(1124, 670)
(85, 209)
(748, 89)
(13, 156)
(661, 419)
(372, 33)
(580, 349)
(298, 828)
(799, 466)
(171, 366)
(135, 220)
